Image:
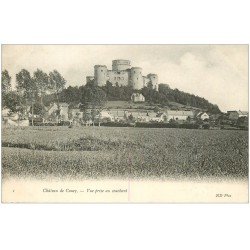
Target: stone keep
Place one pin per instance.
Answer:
(118, 65)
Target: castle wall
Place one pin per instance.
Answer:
(118, 65)
(145, 81)
(89, 78)
(119, 77)
(101, 75)
(136, 78)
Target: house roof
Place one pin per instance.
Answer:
(148, 114)
(5, 111)
(105, 113)
(75, 110)
(202, 113)
(135, 113)
(238, 112)
(180, 112)
(159, 114)
(119, 113)
(61, 104)
(242, 112)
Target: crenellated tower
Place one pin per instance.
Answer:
(119, 65)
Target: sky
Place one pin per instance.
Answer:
(219, 73)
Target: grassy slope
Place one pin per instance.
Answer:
(125, 152)
(146, 106)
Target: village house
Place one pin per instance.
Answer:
(150, 115)
(137, 115)
(181, 115)
(137, 97)
(5, 112)
(162, 117)
(118, 114)
(141, 115)
(147, 116)
(202, 116)
(64, 110)
(234, 115)
(13, 119)
(105, 115)
(10, 116)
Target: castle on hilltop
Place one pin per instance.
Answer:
(122, 74)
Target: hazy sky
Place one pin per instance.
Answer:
(218, 73)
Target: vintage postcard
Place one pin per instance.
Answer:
(124, 123)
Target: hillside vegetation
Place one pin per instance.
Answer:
(165, 97)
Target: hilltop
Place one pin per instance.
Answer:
(120, 97)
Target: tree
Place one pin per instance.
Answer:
(26, 88)
(41, 80)
(56, 84)
(6, 86)
(94, 98)
(13, 102)
(25, 84)
(5, 79)
(70, 95)
(242, 122)
(150, 94)
(38, 109)
(173, 122)
(214, 109)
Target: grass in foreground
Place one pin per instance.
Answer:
(100, 152)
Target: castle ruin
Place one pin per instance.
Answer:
(122, 74)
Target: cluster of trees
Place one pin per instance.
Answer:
(30, 90)
(34, 92)
(175, 95)
(89, 96)
(117, 93)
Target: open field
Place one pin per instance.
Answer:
(141, 153)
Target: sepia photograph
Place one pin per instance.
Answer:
(124, 123)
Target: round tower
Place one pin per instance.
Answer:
(136, 78)
(101, 75)
(153, 78)
(118, 65)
